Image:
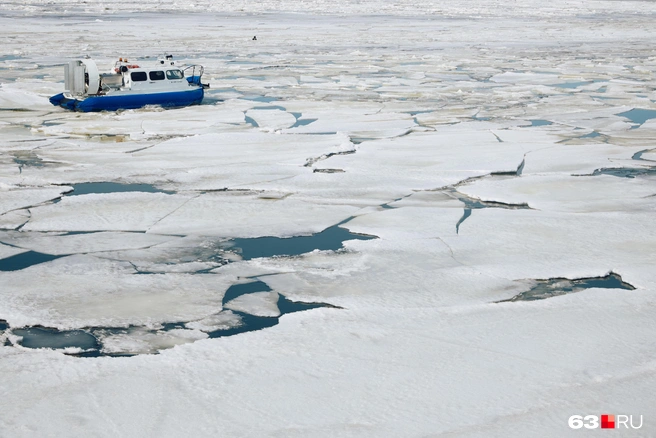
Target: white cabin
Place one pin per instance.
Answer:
(83, 79)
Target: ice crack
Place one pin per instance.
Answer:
(311, 161)
(554, 287)
(475, 203)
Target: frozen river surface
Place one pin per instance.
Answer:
(386, 219)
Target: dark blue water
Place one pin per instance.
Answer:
(560, 286)
(475, 204)
(41, 337)
(638, 155)
(237, 290)
(264, 99)
(593, 134)
(414, 113)
(464, 217)
(638, 115)
(112, 187)
(25, 260)
(329, 239)
(251, 322)
(4, 326)
(270, 107)
(287, 306)
(303, 122)
(387, 206)
(251, 122)
(539, 122)
(520, 168)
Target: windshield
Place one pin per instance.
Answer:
(174, 74)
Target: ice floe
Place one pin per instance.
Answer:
(257, 303)
(237, 214)
(84, 291)
(16, 198)
(134, 211)
(61, 244)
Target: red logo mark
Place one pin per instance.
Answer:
(608, 421)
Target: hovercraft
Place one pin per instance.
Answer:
(130, 86)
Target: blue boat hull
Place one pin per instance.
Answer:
(133, 101)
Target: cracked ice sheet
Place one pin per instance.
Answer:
(308, 362)
(422, 161)
(71, 161)
(237, 214)
(131, 211)
(14, 219)
(202, 162)
(504, 244)
(8, 251)
(14, 198)
(85, 291)
(386, 169)
(271, 119)
(359, 120)
(184, 254)
(82, 243)
(397, 368)
(603, 119)
(580, 159)
(520, 244)
(643, 137)
(575, 194)
(412, 240)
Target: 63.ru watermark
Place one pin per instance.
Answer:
(606, 421)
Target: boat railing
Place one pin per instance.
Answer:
(193, 73)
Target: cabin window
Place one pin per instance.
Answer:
(174, 74)
(138, 76)
(156, 75)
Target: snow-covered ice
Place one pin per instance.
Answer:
(473, 139)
